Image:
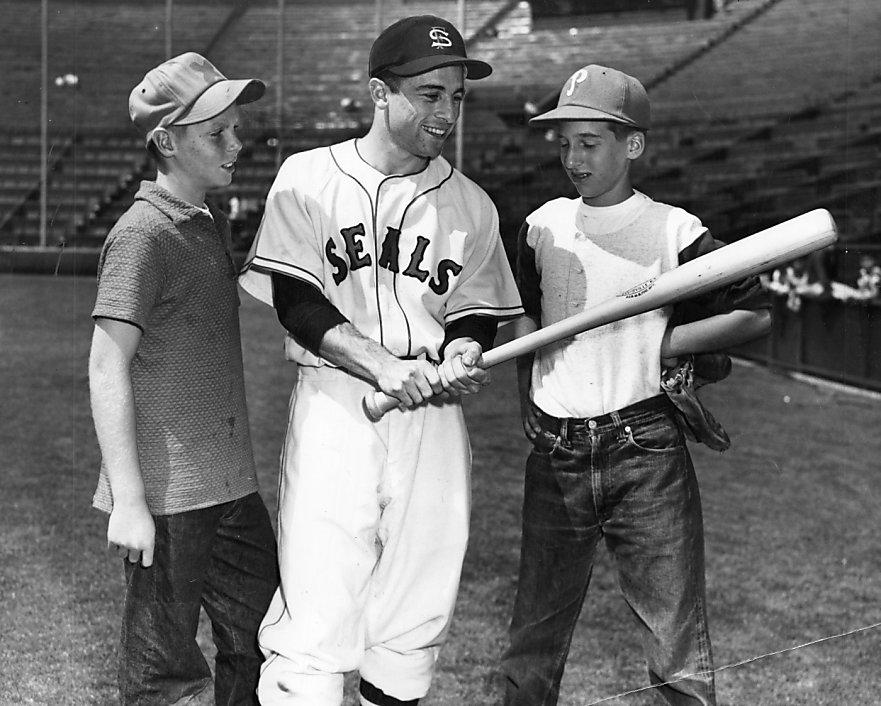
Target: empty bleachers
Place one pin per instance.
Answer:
(769, 108)
(777, 116)
(107, 46)
(325, 53)
(798, 53)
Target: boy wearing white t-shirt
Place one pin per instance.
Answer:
(609, 458)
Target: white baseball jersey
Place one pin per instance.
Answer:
(400, 256)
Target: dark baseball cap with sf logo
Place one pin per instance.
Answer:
(416, 45)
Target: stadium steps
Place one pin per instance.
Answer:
(797, 53)
(86, 39)
(733, 146)
(325, 54)
(107, 45)
(807, 161)
(729, 141)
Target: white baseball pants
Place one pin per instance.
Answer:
(373, 527)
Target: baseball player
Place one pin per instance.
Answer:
(609, 459)
(387, 270)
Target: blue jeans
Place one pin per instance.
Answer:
(626, 477)
(222, 558)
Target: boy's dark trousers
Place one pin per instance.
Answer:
(626, 477)
(223, 558)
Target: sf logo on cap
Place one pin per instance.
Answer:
(578, 77)
(440, 38)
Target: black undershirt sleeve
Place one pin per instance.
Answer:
(481, 328)
(307, 315)
(304, 311)
(528, 279)
(746, 293)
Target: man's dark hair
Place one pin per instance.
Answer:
(393, 81)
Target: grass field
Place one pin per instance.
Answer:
(792, 511)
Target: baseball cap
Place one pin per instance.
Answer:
(185, 90)
(422, 43)
(600, 93)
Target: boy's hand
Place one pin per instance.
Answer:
(668, 359)
(460, 372)
(131, 533)
(669, 363)
(531, 426)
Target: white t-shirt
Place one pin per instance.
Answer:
(583, 256)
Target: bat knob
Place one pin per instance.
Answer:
(374, 414)
(376, 404)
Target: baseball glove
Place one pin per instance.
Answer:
(681, 384)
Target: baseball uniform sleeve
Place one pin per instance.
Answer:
(486, 286)
(287, 240)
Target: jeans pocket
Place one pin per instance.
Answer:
(654, 438)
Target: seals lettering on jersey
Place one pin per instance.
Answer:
(639, 289)
(355, 247)
(388, 258)
(354, 251)
(440, 38)
(354, 258)
(416, 258)
(445, 268)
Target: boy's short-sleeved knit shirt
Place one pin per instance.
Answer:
(166, 267)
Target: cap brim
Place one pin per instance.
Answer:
(220, 96)
(475, 69)
(577, 112)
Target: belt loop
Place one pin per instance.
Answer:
(620, 432)
(564, 429)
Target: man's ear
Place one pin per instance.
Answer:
(635, 145)
(379, 92)
(164, 141)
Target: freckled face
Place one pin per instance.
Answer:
(596, 161)
(421, 116)
(207, 151)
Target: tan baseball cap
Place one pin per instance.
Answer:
(185, 90)
(600, 93)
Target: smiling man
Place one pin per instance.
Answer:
(387, 271)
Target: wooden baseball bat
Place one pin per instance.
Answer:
(756, 253)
